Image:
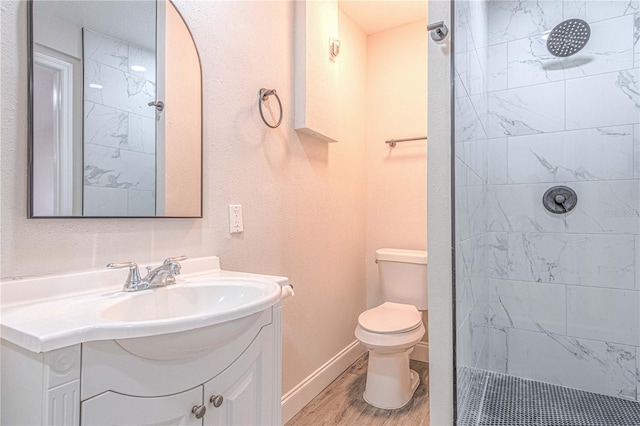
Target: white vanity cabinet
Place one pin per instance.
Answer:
(205, 350)
(115, 409)
(243, 394)
(107, 383)
(40, 388)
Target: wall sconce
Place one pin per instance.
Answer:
(334, 48)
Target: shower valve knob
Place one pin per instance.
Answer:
(560, 199)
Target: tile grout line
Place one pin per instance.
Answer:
(553, 132)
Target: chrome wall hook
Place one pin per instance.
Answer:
(439, 30)
(158, 104)
(334, 48)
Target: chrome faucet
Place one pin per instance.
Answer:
(159, 277)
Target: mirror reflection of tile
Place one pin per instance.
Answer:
(119, 130)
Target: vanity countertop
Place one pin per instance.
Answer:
(51, 312)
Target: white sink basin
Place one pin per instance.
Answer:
(217, 297)
(203, 310)
(234, 305)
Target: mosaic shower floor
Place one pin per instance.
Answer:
(491, 399)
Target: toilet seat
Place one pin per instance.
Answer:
(390, 318)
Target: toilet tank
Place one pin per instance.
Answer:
(403, 276)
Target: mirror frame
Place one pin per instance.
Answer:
(30, 131)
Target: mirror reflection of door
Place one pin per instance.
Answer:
(53, 133)
(94, 71)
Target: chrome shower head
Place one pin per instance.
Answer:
(568, 37)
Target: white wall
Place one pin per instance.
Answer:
(303, 200)
(439, 216)
(396, 109)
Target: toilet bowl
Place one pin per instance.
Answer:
(390, 332)
(392, 329)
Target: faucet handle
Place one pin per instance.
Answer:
(174, 266)
(131, 265)
(134, 274)
(174, 259)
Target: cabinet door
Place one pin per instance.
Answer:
(246, 388)
(115, 409)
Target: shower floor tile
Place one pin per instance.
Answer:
(493, 399)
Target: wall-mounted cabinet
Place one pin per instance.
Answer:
(316, 73)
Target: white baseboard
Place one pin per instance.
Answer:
(421, 352)
(295, 400)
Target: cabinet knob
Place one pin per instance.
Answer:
(216, 400)
(199, 411)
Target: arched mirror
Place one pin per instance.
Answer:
(115, 110)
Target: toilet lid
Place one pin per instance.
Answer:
(390, 318)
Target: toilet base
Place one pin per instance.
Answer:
(390, 382)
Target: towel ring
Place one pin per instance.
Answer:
(264, 95)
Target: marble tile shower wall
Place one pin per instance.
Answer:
(471, 181)
(119, 128)
(549, 297)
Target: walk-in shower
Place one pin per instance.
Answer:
(547, 201)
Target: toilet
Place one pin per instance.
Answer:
(391, 330)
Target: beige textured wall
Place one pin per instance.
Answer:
(303, 200)
(183, 128)
(396, 177)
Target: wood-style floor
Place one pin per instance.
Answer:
(341, 403)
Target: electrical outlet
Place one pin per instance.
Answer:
(235, 218)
